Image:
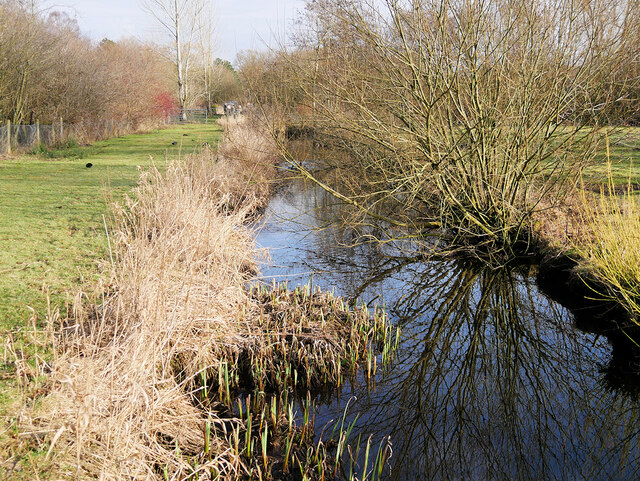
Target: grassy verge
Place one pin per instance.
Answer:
(53, 239)
(51, 226)
(617, 164)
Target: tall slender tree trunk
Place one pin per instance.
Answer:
(179, 18)
(18, 106)
(182, 96)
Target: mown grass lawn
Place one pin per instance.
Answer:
(624, 159)
(52, 234)
(51, 225)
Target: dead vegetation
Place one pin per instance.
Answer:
(182, 371)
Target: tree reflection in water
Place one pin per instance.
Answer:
(492, 381)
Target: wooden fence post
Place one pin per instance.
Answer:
(37, 133)
(9, 137)
(61, 130)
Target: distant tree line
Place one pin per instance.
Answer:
(50, 71)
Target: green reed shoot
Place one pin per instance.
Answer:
(240, 404)
(248, 438)
(366, 457)
(226, 383)
(264, 438)
(274, 413)
(207, 436)
(289, 444)
(234, 439)
(203, 376)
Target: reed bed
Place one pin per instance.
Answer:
(181, 371)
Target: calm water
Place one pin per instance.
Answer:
(492, 380)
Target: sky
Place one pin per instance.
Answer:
(241, 24)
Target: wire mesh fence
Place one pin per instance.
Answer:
(28, 136)
(4, 142)
(25, 137)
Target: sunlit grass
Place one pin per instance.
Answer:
(621, 163)
(53, 238)
(51, 226)
(611, 254)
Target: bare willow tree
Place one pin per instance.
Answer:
(183, 21)
(460, 114)
(24, 44)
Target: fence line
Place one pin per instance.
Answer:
(30, 136)
(22, 137)
(15, 136)
(190, 116)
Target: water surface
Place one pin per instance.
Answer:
(492, 380)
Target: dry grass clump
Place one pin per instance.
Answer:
(558, 224)
(246, 142)
(129, 395)
(180, 260)
(304, 340)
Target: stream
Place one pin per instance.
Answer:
(492, 380)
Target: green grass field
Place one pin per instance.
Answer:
(624, 157)
(53, 240)
(51, 225)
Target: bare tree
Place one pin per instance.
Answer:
(49, 71)
(458, 113)
(206, 47)
(223, 82)
(24, 50)
(181, 20)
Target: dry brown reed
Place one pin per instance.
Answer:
(558, 223)
(180, 259)
(128, 395)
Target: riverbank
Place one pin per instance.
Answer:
(591, 239)
(52, 229)
(143, 380)
(171, 367)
